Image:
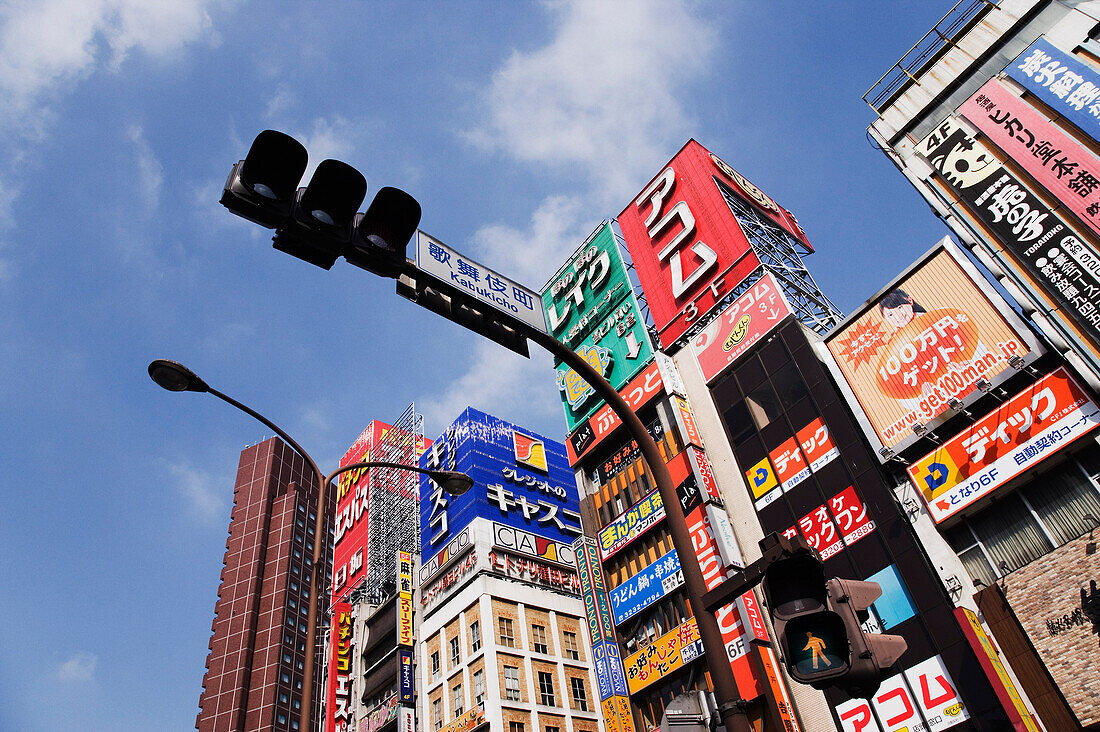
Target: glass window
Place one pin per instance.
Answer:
(580, 697)
(515, 727)
(475, 636)
(479, 687)
(1064, 500)
(283, 698)
(435, 665)
(1010, 534)
(538, 639)
(546, 688)
(437, 713)
(456, 700)
(571, 649)
(507, 635)
(511, 683)
(454, 652)
(739, 423)
(281, 718)
(789, 385)
(763, 405)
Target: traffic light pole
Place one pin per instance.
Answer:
(731, 706)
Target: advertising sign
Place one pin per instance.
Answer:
(404, 619)
(641, 389)
(597, 608)
(524, 542)
(478, 281)
(468, 721)
(790, 465)
(521, 479)
(381, 715)
(628, 454)
(405, 720)
(349, 560)
(1069, 87)
(921, 697)
(1023, 431)
(646, 587)
(679, 646)
(610, 665)
(616, 714)
(591, 308)
(406, 677)
(1054, 254)
(404, 572)
(763, 483)
(634, 522)
(531, 570)
(928, 339)
(990, 659)
(1050, 156)
(686, 245)
(737, 329)
(817, 445)
(340, 706)
(841, 522)
(448, 581)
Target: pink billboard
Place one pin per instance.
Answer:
(1062, 166)
(748, 319)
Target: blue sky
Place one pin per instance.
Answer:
(517, 125)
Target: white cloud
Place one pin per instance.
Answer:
(150, 171)
(601, 96)
(201, 494)
(500, 383)
(79, 667)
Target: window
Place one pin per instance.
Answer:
(282, 718)
(475, 636)
(507, 637)
(479, 687)
(455, 656)
(294, 724)
(538, 639)
(287, 658)
(571, 649)
(511, 684)
(456, 700)
(435, 665)
(283, 698)
(515, 727)
(552, 729)
(546, 688)
(437, 713)
(580, 698)
(286, 678)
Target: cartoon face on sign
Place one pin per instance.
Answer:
(923, 348)
(576, 389)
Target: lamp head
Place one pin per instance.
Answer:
(452, 481)
(174, 376)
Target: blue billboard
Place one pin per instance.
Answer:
(646, 587)
(610, 677)
(521, 479)
(1068, 86)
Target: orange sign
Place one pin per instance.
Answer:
(929, 339)
(616, 713)
(679, 646)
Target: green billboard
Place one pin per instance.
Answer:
(591, 308)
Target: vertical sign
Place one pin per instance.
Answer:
(340, 681)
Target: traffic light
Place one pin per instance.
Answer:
(382, 234)
(869, 653)
(261, 188)
(319, 223)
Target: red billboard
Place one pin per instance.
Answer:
(637, 393)
(1022, 432)
(340, 706)
(349, 558)
(744, 322)
(687, 247)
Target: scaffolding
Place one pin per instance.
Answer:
(393, 507)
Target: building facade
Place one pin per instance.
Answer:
(254, 670)
(992, 118)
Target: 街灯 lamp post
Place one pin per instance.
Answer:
(174, 376)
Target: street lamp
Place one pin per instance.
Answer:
(174, 376)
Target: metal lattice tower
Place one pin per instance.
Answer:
(394, 505)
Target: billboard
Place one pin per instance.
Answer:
(737, 328)
(928, 338)
(591, 308)
(678, 647)
(840, 522)
(1023, 431)
(521, 480)
(1065, 84)
(646, 587)
(641, 389)
(340, 706)
(479, 282)
(686, 245)
(1063, 262)
(606, 662)
(1060, 164)
(349, 560)
(924, 696)
(634, 522)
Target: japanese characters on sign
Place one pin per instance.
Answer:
(591, 308)
(929, 339)
(646, 587)
(380, 715)
(536, 572)
(990, 659)
(1061, 165)
(448, 580)
(641, 389)
(352, 512)
(744, 322)
(468, 721)
(627, 454)
(1066, 85)
(634, 522)
(809, 451)
(790, 465)
(498, 292)
(520, 479)
(339, 688)
(404, 619)
(610, 675)
(1023, 431)
(616, 714)
(597, 608)
(922, 696)
(685, 243)
(678, 647)
(1059, 258)
(841, 522)
(817, 446)
(404, 572)
(406, 677)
